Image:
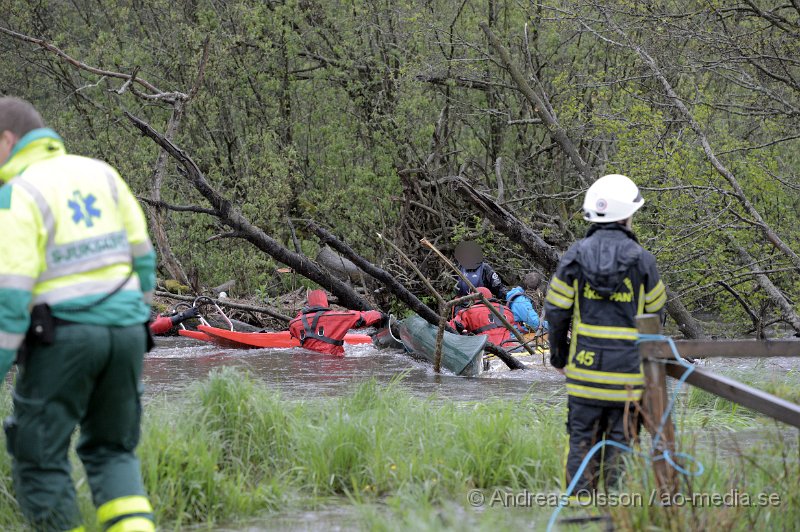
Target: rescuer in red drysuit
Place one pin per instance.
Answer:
(321, 329)
(163, 324)
(478, 319)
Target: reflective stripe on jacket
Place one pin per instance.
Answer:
(602, 283)
(77, 234)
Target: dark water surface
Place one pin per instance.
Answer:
(177, 362)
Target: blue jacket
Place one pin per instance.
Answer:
(522, 308)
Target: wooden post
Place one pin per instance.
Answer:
(654, 403)
(437, 360)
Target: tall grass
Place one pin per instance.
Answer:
(231, 449)
(234, 448)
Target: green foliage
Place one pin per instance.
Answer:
(341, 112)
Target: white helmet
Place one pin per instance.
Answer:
(611, 198)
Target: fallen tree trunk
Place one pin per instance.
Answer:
(543, 253)
(338, 265)
(381, 275)
(230, 216)
(222, 303)
(224, 287)
(758, 221)
(687, 324)
(504, 355)
(546, 255)
(787, 310)
(402, 293)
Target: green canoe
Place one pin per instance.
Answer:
(463, 355)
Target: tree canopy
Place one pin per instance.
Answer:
(365, 116)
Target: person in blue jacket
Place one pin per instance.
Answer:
(522, 307)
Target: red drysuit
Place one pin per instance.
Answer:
(478, 319)
(321, 329)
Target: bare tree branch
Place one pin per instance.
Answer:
(540, 107)
(177, 208)
(677, 101)
(156, 94)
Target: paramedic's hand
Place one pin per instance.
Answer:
(189, 313)
(560, 370)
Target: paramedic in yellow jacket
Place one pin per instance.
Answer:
(601, 284)
(77, 271)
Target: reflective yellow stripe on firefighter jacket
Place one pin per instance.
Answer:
(72, 234)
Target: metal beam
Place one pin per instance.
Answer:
(739, 393)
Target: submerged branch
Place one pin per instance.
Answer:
(238, 306)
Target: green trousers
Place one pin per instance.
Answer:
(90, 376)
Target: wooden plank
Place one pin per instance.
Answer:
(654, 403)
(739, 393)
(732, 348)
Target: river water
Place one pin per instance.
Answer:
(178, 361)
(298, 373)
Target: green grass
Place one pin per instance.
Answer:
(231, 450)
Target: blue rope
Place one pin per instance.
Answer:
(665, 455)
(577, 476)
(678, 386)
(689, 458)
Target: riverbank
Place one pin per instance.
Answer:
(230, 451)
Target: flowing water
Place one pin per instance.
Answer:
(298, 373)
(176, 362)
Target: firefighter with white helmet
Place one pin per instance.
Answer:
(601, 284)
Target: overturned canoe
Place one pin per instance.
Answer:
(463, 355)
(195, 335)
(256, 340)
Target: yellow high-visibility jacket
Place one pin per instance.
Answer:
(72, 233)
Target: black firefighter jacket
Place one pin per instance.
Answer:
(601, 284)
